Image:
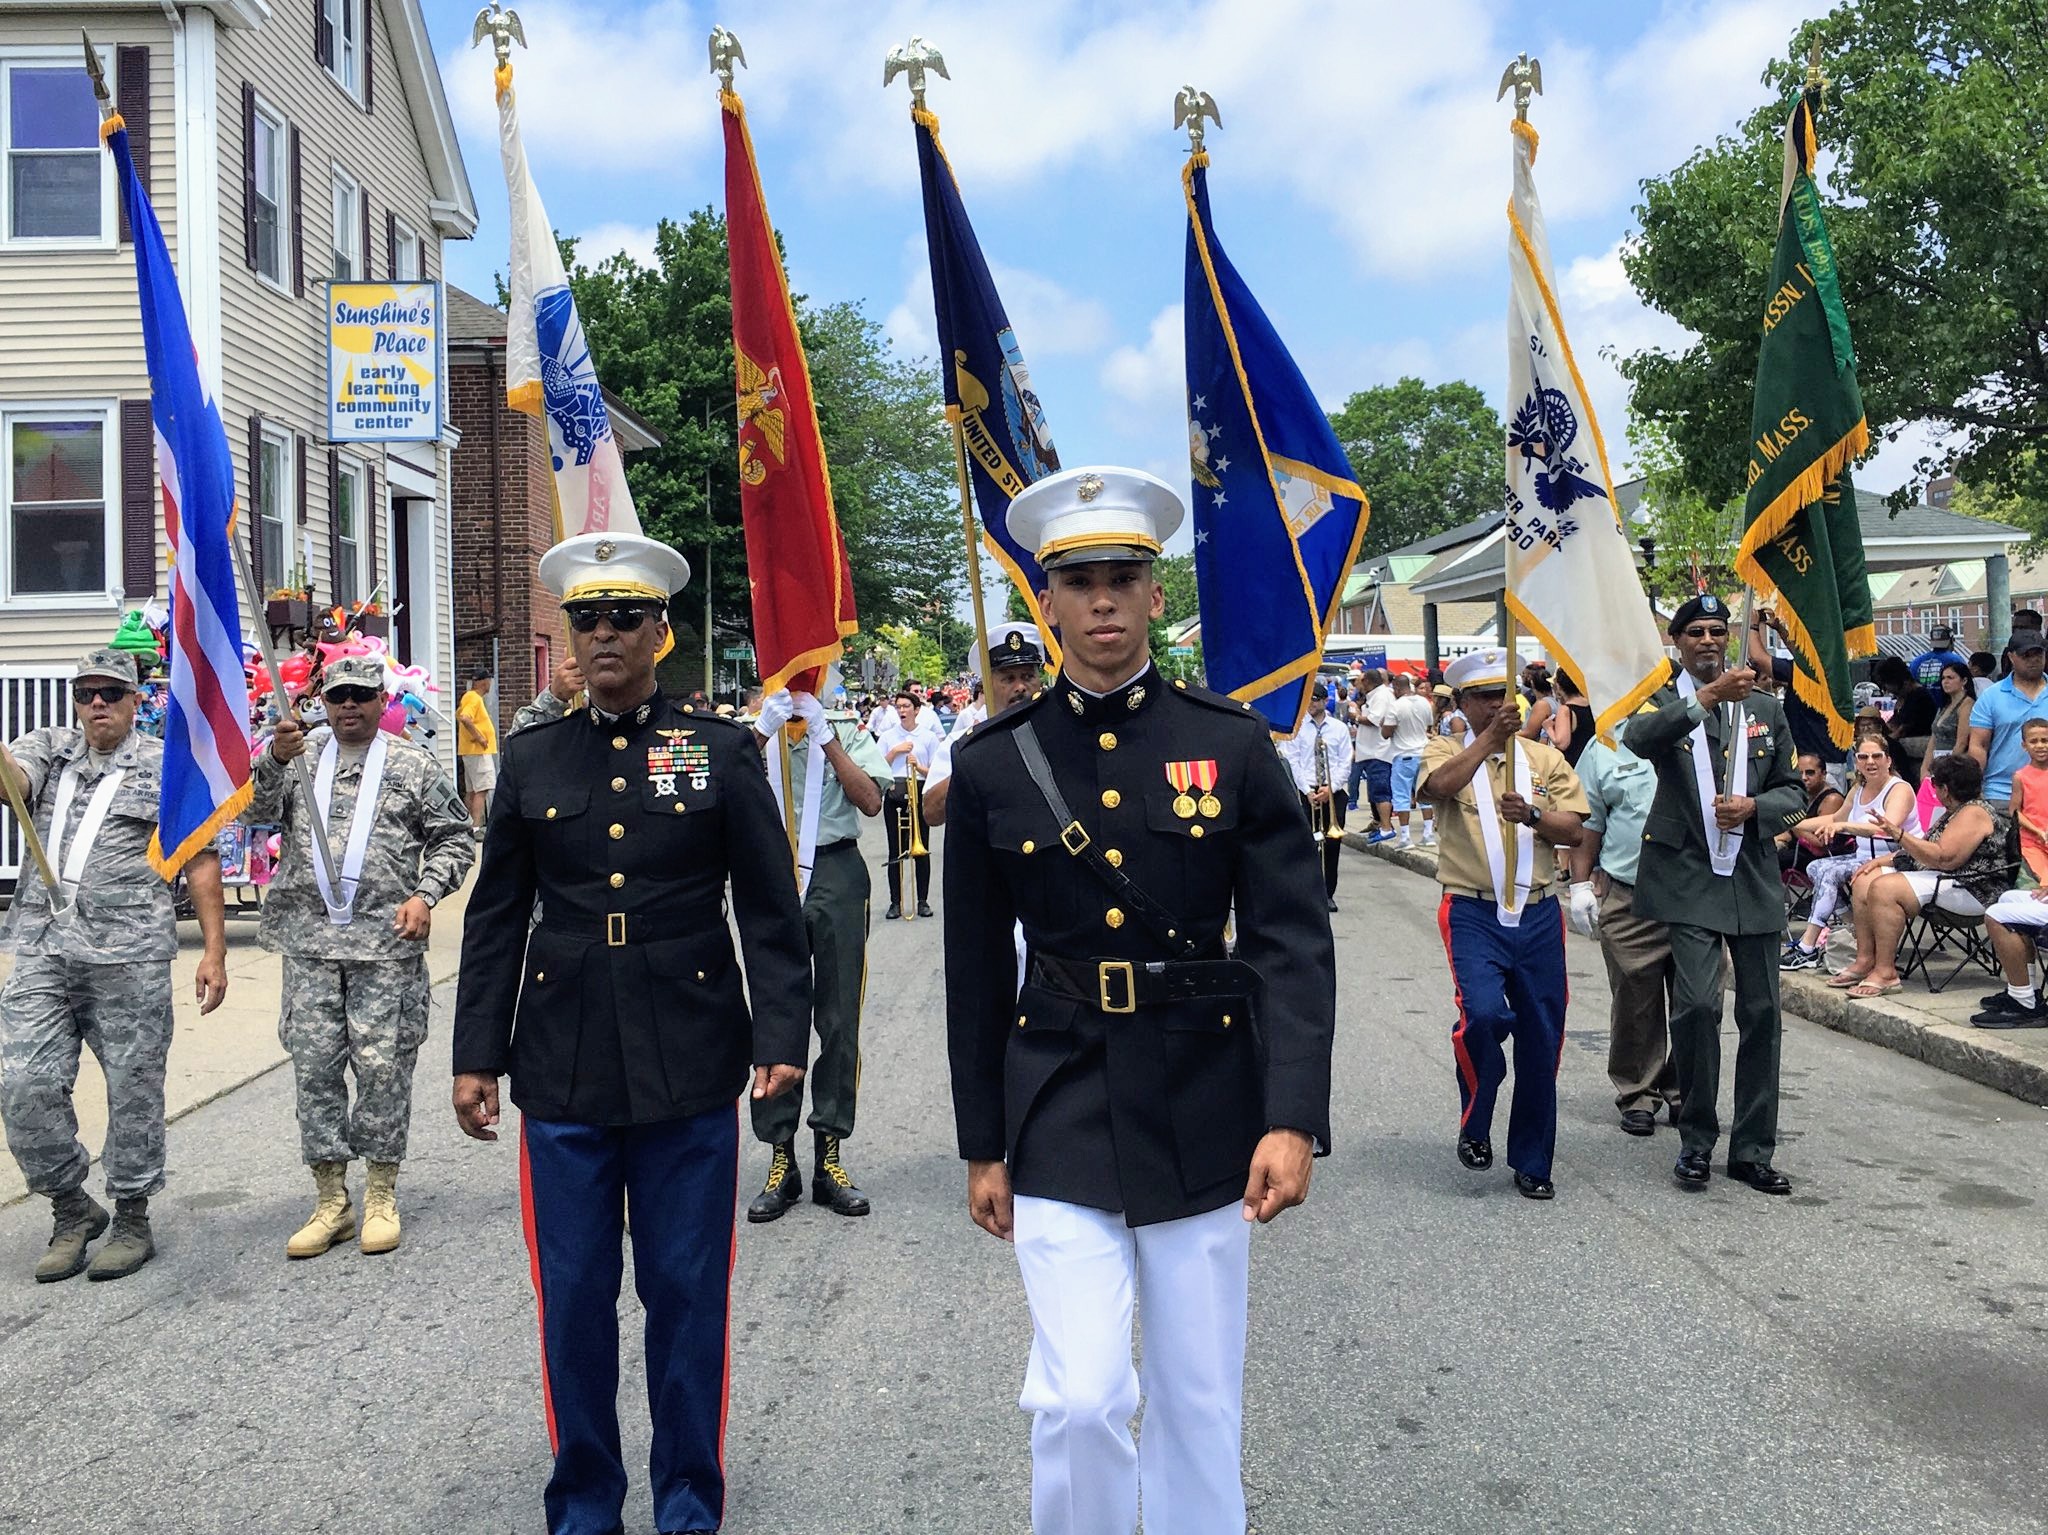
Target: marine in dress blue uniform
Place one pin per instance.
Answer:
(1146, 1095)
(621, 1018)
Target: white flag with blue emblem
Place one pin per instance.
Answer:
(548, 369)
(1571, 570)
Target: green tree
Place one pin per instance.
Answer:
(1427, 456)
(1933, 127)
(917, 658)
(1693, 540)
(1176, 572)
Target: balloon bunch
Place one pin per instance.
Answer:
(408, 686)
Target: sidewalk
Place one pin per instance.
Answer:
(1929, 1027)
(236, 1042)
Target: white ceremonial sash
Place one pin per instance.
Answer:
(814, 790)
(1723, 847)
(71, 870)
(341, 910)
(1496, 850)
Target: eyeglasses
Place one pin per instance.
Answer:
(112, 693)
(623, 619)
(1706, 632)
(347, 693)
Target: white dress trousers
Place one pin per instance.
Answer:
(1084, 1272)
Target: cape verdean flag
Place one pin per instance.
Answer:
(796, 559)
(205, 781)
(1801, 535)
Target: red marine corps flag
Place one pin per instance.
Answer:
(796, 560)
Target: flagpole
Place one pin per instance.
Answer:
(1507, 777)
(988, 690)
(31, 841)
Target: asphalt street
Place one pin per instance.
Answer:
(1428, 1352)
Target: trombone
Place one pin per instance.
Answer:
(912, 838)
(1323, 820)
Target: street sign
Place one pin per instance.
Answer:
(739, 652)
(1180, 650)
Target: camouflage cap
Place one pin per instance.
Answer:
(114, 665)
(354, 672)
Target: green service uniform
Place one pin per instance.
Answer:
(836, 923)
(1744, 910)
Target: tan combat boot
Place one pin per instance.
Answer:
(78, 1219)
(380, 1208)
(333, 1219)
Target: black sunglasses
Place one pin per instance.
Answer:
(112, 693)
(1708, 632)
(622, 619)
(348, 693)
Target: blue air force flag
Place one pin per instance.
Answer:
(1571, 571)
(988, 389)
(1278, 517)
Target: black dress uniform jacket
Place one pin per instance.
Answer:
(1675, 880)
(1154, 1113)
(625, 1004)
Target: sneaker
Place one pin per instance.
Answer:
(2013, 1015)
(1429, 839)
(1798, 957)
(1401, 839)
(1375, 838)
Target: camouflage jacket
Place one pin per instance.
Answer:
(420, 843)
(544, 707)
(124, 910)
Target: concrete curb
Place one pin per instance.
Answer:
(1987, 1058)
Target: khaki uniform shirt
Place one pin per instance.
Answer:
(838, 821)
(420, 843)
(1461, 849)
(124, 909)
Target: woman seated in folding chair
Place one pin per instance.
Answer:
(1960, 868)
(1876, 794)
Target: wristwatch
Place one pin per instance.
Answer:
(1532, 816)
(421, 895)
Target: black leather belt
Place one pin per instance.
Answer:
(1124, 986)
(841, 846)
(619, 928)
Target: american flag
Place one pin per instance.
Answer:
(206, 725)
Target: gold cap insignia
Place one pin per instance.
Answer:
(1088, 487)
(606, 550)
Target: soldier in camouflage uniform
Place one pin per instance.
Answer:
(98, 973)
(355, 967)
(552, 701)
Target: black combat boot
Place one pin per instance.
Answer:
(785, 1186)
(830, 1186)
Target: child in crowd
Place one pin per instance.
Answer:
(2030, 800)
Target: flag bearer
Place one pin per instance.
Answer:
(355, 953)
(1145, 1097)
(1502, 924)
(98, 973)
(625, 1023)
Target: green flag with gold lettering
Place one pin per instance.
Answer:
(1800, 537)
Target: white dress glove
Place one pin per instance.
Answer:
(1585, 908)
(777, 709)
(808, 709)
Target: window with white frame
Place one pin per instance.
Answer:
(348, 228)
(274, 509)
(58, 187)
(342, 23)
(273, 196)
(408, 254)
(348, 534)
(60, 537)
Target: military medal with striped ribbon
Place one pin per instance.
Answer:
(1188, 776)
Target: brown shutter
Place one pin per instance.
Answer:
(138, 500)
(302, 452)
(333, 524)
(298, 218)
(390, 245)
(323, 35)
(368, 533)
(369, 96)
(131, 100)
(363, 236)
(249, 179)
(251, 516)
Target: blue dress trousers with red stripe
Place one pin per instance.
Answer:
(1511, 986)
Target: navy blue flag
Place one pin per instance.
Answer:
(988, 389)
(1278, 517)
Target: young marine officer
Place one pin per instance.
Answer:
(1502, 925)
(1145, 1096)
(1709, 873)
(355, 956)
(622, 1018)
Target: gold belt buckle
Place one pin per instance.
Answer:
(1108, 968)
(1074, 837)
(615, 929)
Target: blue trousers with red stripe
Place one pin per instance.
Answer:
(1511, 985)
(681, 1179)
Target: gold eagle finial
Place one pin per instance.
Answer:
(1189, 108)
(725, 52)
(1525, 76)
(502, 28)
(913, 59)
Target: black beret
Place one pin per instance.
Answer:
(1706, 605)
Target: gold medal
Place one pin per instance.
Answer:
(1184, 807)
(1212, 807)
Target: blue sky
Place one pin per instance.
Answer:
(1359, 179)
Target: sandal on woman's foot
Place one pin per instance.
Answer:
(1869, 989)
(1842, 980)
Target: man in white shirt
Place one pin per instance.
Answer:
(1372, 748)
(908, 744)
(1407, 731)
(1316, 754)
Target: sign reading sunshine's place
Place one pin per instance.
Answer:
(383, 361)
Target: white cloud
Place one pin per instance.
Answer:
(1154, 372)
(602, 240)
(1607, 321)
(1050, 319)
